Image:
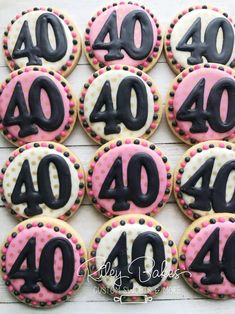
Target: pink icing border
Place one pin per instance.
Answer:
(194, 241)
(144, 64)
(143, 145)
(69, 102)
(185, 135)
(8, 252)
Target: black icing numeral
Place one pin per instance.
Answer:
(45, 272)
(214, 266)
(27, 118)
(43, 48)
(208, 48)
(206, 197)
(136, 269)
(193, 109)
(127, 36)
(123, 111)
(133, 191)
(44, 194)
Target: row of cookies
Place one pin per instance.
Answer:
(131, 257)
(121, 33)
(127, 175)
(37, 104)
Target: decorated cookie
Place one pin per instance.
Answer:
(206, 256)
(200, 34)
(36, 104)
(200, 104)
(204, 179)
(119, 101)
(128, 176)
(43, 179)
(131, 257)
(124, 33)
(42, 37)
(43, 261)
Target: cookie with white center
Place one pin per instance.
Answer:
(42, 37)
(204, 179)
(123, 33)
(119, 101)
(42, 178)
(36, 104)
(200, 34)
(43, 262)
(132, 257)
(129, 175)
(200, 104)
(206, 256)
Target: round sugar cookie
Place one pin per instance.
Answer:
(123, 33)
(42, 37)
(42, 178)
(36, 104)
(200, 34)
(200, 104)
(119, 101)
(129, 176)
(204, 179)
(132, 258)
(206, 256)
(43, 262)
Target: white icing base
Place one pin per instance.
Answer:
(32, 17)
(222, 156)
(108, 242)
(115, 77)
(183, 25)
(34, 157)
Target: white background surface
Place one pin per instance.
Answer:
(179, 297)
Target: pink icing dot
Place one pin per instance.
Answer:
(150, 223)
(182, 266)
(131, 221)
(114, 224)
(177, 189)
(165, 284)
(192, 153)
(94, 246)
(80, 193)
(184, 249)
(103, 233)
(166, 234)
(221, 219)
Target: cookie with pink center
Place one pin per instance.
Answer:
(43, 262)
(206, 256)
(204, 179)
(200, 34)
(129, 175)
(42, 37)
(119, 101)
(132, 258)
(123, 33)
(199, 104)
(36, 104)
(42, 178)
